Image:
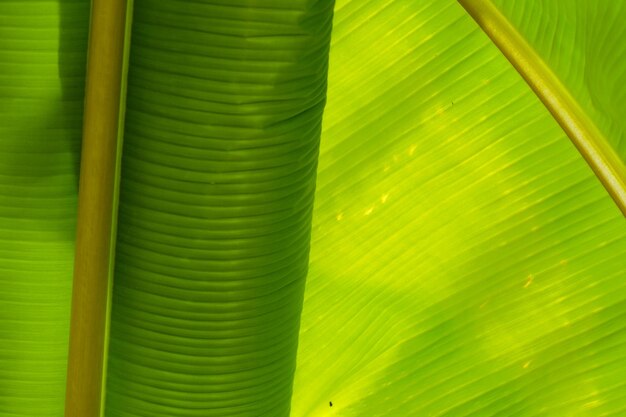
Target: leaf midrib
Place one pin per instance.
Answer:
(582, 131)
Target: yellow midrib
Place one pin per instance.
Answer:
(582, 131)
(95, 224)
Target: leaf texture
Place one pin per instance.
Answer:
(579, 127)
(223, 120)
(42, 64)
(465, 260)
(583, 43)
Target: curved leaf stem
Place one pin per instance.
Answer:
(582, 131)
(96, 208)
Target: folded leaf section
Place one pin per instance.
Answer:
(223, 121)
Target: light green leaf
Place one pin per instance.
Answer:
(465, 259)
(582, 41)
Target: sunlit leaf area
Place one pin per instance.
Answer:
(350, 208)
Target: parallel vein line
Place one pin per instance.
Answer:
(582, 131)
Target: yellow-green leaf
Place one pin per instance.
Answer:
(465, 259)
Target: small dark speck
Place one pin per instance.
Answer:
(453, 103)
(331, 403)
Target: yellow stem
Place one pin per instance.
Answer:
(585, 135)
(96, 207)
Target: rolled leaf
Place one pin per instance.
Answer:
(223, 120)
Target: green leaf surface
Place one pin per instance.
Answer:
(223, 122)
(42, 65)
(465, 259)
(582, 41)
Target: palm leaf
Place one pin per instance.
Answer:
(589, 59)
(223, 122)
(466, 257)
(42, 55)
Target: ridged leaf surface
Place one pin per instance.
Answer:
(582, 41)
(465, 259)
(42, 65)
(224, 110)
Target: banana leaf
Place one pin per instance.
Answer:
(42, 54)
(467, 249)
(465, 261)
